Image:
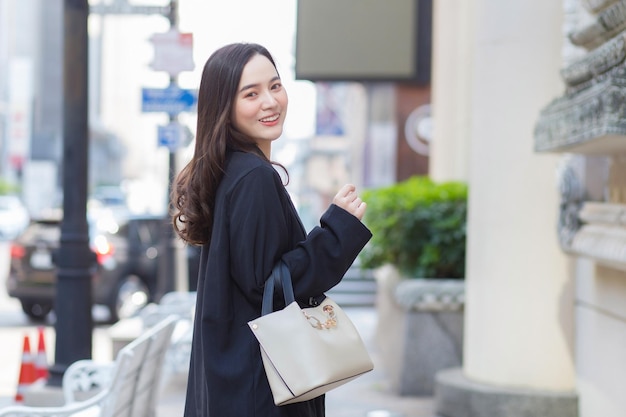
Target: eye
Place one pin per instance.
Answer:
(276, 86)
(251, 94)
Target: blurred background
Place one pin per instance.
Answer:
(328, 136)
(510, 113)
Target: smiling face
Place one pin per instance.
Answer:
(260, 104)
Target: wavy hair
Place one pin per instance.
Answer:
(195, 187)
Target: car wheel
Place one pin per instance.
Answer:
(35, 310)
(132, 295)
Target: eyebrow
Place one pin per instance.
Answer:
(249, 86)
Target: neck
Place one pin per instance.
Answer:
(266, 148)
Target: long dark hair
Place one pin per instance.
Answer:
(194, 189)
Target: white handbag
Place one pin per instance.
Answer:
(306, 352)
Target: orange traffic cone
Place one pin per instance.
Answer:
(27, 371)
(41, 360)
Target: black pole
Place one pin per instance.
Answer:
(74, 259)
(167, 271)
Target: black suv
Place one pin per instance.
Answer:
(124, 280)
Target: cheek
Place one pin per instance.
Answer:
(285, 100)
(242, 113)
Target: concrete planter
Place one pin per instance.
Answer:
(420, 329)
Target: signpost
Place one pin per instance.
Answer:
(172, 136)
(171, 100)
(122, 7)
(173, 52)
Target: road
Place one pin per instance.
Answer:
(14, 325)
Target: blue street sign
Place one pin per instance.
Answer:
(171, 100)
(170, 136)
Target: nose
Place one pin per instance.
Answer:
(269, 100)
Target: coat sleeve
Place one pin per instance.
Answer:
(260, 236)
(320, 261)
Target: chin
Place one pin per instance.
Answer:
(275, 135)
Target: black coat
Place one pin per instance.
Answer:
(255, 225)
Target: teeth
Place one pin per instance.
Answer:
(271, 118)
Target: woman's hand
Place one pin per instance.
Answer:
(348, 199)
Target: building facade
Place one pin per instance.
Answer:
(528, 107)
(31, 106)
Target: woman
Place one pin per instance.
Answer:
(230, 200)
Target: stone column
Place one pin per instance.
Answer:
(451, 90)
(518, 355)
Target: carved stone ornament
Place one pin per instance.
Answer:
(591, 116)
(595, 6)
(607, 24)
(603, 237)
(590, 121)
(595, 64)
(572, 195)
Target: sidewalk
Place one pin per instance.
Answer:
(367, 396)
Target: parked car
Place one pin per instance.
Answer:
(13, 217)
(124, 279)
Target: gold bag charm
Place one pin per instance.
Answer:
(330, 323)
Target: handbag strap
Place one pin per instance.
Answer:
(280, 279)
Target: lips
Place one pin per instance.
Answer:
(270, 119)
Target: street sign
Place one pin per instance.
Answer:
(123, 7)
(171, 100)
(128, 9)
(173, 52)
(171, 135)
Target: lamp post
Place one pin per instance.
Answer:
(74, 258)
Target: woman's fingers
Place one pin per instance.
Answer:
(345, 195)
(360, 210)
(346, 190)
(348, 199)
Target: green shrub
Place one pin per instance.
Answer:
(419, 226)
(7, 187)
